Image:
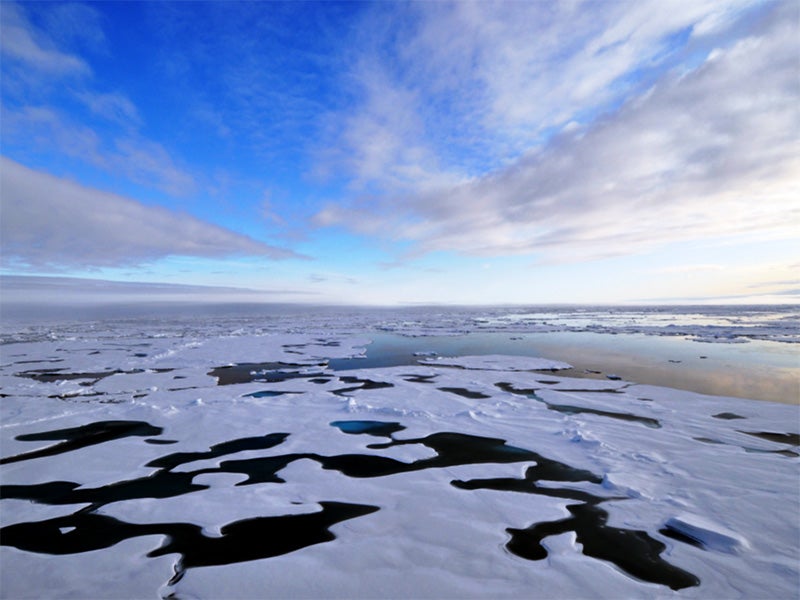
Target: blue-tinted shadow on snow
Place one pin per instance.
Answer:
(576, 410)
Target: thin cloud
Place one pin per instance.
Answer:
(144, 161)
(141, 160)
(331, 278)
(113, 107)
(28, 288)
(691, 268)
(766, 284)
(709, 152)
(444, 91)
(50, 223)
(75, 25)
(40, 70)
(20, 42)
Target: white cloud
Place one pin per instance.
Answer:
(112, 106)
(19, 41)
(267, 210)
(690, 268)
(37, 58)
(455, 89)
(143, 161)
(709, 152)
(50, 223)
(383, 141)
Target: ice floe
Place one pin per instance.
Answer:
(148, 459)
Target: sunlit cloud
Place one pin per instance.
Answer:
(462, 88)
(709, 152)
(691, 268)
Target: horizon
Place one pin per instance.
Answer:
(23, 296)
(404, 154)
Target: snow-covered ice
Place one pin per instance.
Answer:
(145, 459)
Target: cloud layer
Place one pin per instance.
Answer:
(408, 135)
(706, 151)
(47, 222)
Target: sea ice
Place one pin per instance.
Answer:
(141, 474)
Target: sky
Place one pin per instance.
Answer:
(533, 152)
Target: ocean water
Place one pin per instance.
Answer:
(760, 370)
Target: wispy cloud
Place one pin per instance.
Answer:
(383, 143)
(49, 223)
(331, 278)
(22, 43)
(691, 268)
(708, 151)
(112, 106)
(42, 69)
(461, 88)
(129, 154)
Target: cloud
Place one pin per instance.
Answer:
(383, 141)
(50, 223)
(113, 107)
(26, 289)
(690, 268)
(711, 151)
(447, 90)
(75, 25)
(331, 278)
(143, 161)
(779, 283)
(267, 210)
(43, 77)
(22, 43)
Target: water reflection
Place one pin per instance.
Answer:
(759, 370)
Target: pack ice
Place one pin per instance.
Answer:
(210, 464)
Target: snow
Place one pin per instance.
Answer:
(401, 481)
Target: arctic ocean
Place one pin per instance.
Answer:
(244, 452)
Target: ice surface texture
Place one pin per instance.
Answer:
(208, 465)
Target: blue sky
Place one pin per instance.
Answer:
(423, 152)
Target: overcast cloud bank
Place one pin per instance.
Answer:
(49, 222)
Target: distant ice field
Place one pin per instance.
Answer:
(410, 453)
(743, 351)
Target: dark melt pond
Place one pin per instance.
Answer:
(635, 552)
